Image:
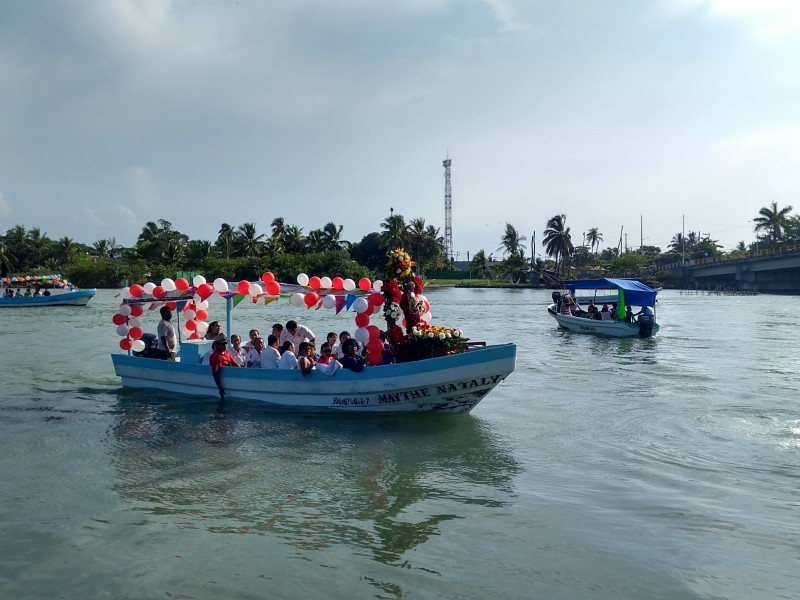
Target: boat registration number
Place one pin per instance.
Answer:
(350, 401)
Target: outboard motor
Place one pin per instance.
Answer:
(557, 298)
(150, 346)
(646, 322)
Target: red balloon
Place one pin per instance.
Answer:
(125, 344)
(119, 319)
(136, 311)
(243, 287)
(337, 283)
(362, 319)
(136, 333)
(267, 277)
(374, 332)
(375, 299)
(205, 290)
(159, 292)
(172, 306)
(191, 325)
(181, 284)
(273, 288)
(314, 283)
(136, 290)
(195, 336)
(364, 284)
(201, 315)
(374, 352)
(311, 299)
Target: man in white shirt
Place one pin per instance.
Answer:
(167, 341)
(270, 356)
(238, 353)
(297, 334)
(254, 356)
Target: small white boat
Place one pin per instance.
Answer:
(629, 293)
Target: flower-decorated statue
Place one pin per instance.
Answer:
(400, 291)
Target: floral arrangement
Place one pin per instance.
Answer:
(393, 311)
(399, 265)
(442, 336)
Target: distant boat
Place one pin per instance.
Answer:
(56, 292)
(628, 293)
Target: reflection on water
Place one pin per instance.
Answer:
(376, 483)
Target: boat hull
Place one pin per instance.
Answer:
(618, 329)
(77, 298)
(452, 384)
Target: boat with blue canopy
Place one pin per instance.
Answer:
(617, 318)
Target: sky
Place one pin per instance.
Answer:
(650, 117)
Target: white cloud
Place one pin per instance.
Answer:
(5, 209)
(766, 18)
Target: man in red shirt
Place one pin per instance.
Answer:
(220, 357)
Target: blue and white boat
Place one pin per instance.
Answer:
(627, 292)
(57, 292)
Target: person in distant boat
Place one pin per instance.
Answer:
(220, 357)
(167, 341)
(351, 360)
(254, 356)
(238, 353)
(409, 306)
(271, 356)
(28, 293)
(214, 329)
(46, 292)
(605, 315)
(288, 359)
(565, 308)
(327, 364)
(297, 334)
(306, 360)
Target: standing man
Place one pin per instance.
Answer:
(220, 357)
(297, 334)
(167, 342)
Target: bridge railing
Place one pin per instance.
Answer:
(778, 251)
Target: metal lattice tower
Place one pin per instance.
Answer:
(448, 211)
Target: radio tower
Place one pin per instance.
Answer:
(448, 211)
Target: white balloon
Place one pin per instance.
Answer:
(360, 305)
(302, 279)
(297, 299)
(149, 287)
(122, 330)
(220, 285)
(325, 283)
(125, 292)
(202, 327)
(186, 333)
(189, 314)
(255, 289)
(377, 285)
(198, 280)
(125, 310)
(329, 301)
(349, 285)
(168, 284)
(426, 317)
(135, 322)
(138, 345)
(361, 335)
(203, 305)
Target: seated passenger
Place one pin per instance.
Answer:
(327, 365)
(306, 360)
(288, 359)
(253, 335)
(388, 353)
(628, 314)
(605, 315)
(351, 360)
(254, 356)
(271, 355)
(238, 353)
(565, 309)
(214, 329)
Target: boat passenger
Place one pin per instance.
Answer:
(327, 365)
(277, 329)
(238, 353)
(46, 292)
(387, 358)
(351, 360)
(18, 294)
(297, 334)
(628, 314)
(565, 307)
(288, 359)
(271, 355)
(605, 315)
(306, 360)
(253, 335)
(254, 356)
(220, 357)
(330, 339)
(214, 329)
(28, 293)
(167, 341)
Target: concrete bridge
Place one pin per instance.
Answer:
(776, 270)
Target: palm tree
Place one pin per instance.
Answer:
(7, 259)
(557, 240)
(594, 238)
(511, 242)
(173, 253)
(198, 251)
(112, 247)
(65, 250)
(38, 244)
(479, 265)
(225, 238)
(273, 247)
(315, 241)
(52, 265)
(677, 243)
(278, 228)
(333, 237)
(248, 241)
(293, 239)
(395, 232)
(773, 221)
(101, 248)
